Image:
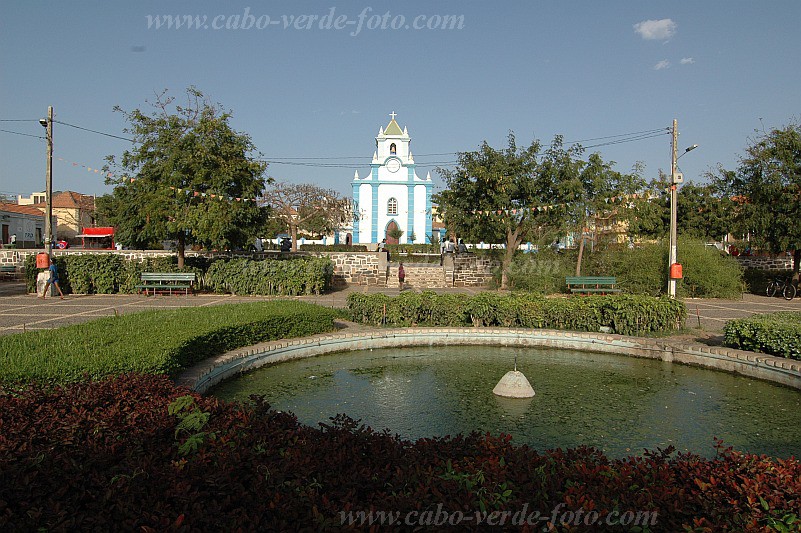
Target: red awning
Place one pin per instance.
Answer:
(106, 231)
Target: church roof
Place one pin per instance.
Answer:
(393, 128)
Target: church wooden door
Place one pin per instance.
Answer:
(391, 228)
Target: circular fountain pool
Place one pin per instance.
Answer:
(618, 404)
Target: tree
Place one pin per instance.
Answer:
(648, 215)
(703, 211)
(767, 189)
(189, 177)
(508, 195)
(490, 195)
(307, 207)
(587, 187)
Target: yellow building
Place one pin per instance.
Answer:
(73, 212)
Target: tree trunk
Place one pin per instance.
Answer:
(796, 263)
(293, 228)
(580, 256)
(512, 242)
(181, 249)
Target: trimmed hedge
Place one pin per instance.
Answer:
(333, 248)
(271, 277)
(623, 314)
(775, 334)
(157, 342)
(138, 453)
(110, 273)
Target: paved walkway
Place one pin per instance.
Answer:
(25, 312)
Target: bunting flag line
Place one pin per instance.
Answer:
(177, 189)
(521, 211)
(88, 168)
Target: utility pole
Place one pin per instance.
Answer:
(48, 123)
(673, 208)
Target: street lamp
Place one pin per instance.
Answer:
(48, 124)
(675, 179)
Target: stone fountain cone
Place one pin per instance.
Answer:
(514, 385)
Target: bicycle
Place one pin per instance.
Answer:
(783, 286)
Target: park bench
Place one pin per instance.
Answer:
(591, 284)
(167, 282)
(8, 271)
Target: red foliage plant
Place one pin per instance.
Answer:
(105, 456)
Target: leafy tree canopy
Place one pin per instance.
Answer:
(766, 188)
(181, 156)
(514, 193)
(703, 211)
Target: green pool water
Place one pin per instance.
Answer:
(619, 404)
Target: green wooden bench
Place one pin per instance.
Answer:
(167, 282)
(591, 284)
(8, 271)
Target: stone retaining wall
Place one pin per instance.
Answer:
(766, 263)
(350, 268)
(418, 277)
(210, 372)
(472, 271)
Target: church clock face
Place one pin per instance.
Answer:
(393, 165)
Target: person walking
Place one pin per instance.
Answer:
(53, 279)
(401, 276)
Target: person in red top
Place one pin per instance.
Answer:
(401, 276)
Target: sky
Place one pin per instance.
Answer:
(312, 82)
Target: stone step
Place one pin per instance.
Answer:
(428, 277)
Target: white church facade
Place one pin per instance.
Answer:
(392, 196)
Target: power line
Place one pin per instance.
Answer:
(352, 157)
(620, 138)
(345, 165)
(620, 135)
(25, 134)
(620, 141)
(18, 119)
(93, 131)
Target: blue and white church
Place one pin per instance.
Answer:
(392, 196)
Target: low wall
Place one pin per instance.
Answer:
(350, 268)
(210, 372)
(765, 262)
(472, 271)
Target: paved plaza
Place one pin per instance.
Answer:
(25, 312)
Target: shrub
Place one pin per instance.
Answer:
(118, 455)
(290, 277)
(776, 334)
(543, 271)
(109, 273)
(155, 341)
(333, 248)
(94, 273)
(708, 273)
(624, 314)
(643, 270)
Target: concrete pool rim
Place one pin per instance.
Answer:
(204, 375)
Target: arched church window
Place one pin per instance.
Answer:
(393, 149)
(392, 206)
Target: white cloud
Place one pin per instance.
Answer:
(656, 29)
(662, 64)
(687, 61)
